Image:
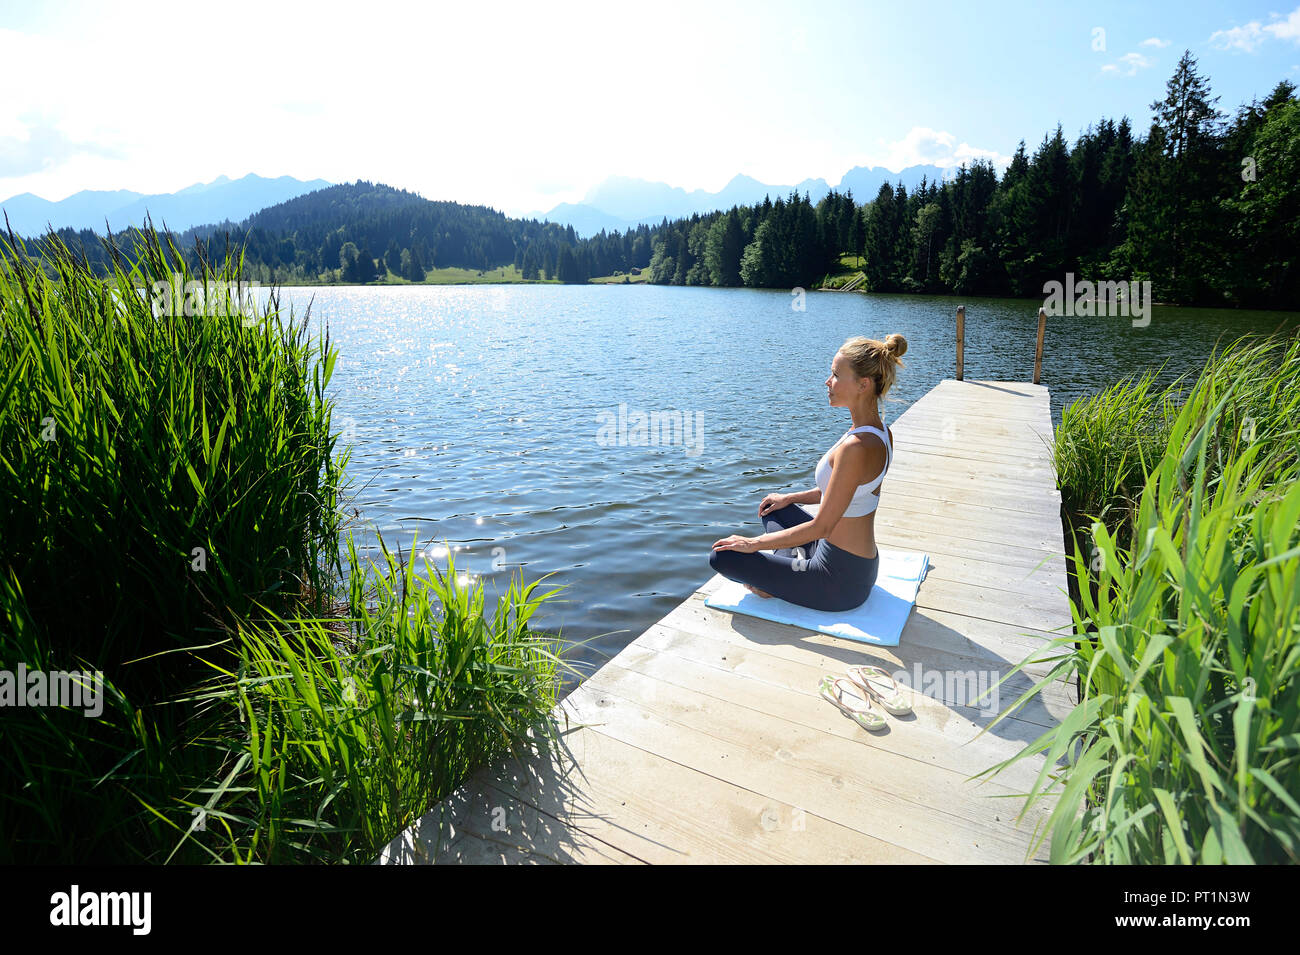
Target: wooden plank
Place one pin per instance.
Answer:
(1025, 473)
(664, 812)
(1032, 434)
(832, 655)
(982, 528)
(965, 494)
(949, 486)
(934, 732)
(905, 504)
(931, 810)
(913, 535)
(1026, 423)
(949, 443)
(481, 824)
(984, 422)
(1002, 606)
(1003, 390)
(1022, 412)
(954, 444)
(1043, 578)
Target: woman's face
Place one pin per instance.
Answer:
(842, 385)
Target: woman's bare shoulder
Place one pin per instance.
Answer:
(867, 448)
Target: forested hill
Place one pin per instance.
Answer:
(343, 226)
(359, 232)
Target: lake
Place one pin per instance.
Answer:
(501, 420)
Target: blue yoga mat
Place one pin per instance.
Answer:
(880, 620)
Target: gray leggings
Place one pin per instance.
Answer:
(830, 578)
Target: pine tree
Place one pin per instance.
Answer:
(859, 232)
(757, 264)
(1147, 252)
(723, 249)
(348, 257)
(881, 241)
(412, 267)
(366, 271)
(1190, 123)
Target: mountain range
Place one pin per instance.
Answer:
(620, 202)
(203, 203)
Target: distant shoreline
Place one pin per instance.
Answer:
(456, 276)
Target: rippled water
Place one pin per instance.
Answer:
(476, 413)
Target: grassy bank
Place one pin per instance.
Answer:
(623, 278)
(507, 274)
(1183, 511)
(502, 274)
(170, 506)
(849, 267)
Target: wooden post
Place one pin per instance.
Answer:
(1038, 352)
(961, 340)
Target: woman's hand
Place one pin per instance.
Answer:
(746, 545)
(773, 502)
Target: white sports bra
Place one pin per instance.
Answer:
(864, 502)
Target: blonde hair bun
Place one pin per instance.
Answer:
(896, 344)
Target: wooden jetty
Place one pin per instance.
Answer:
(705, 739)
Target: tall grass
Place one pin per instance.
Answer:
(1185, 745)
(349, 735)
(160, 475)
(170, 512)
(1105, 445)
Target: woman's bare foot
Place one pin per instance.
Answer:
(755, 590)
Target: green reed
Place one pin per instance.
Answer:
(1185, 745)
(160, 474)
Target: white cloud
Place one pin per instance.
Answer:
(31, 144)
(1288, 29)
(1154, 41)
(1128, 64)
(932, 147)
(1248, 37)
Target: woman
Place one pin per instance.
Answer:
(842, 561)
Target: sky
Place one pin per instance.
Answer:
(521, 106)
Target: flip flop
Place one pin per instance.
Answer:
(832, 690)
(884, 690)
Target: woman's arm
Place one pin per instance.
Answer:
(855, 463)
(812, 496)
(795, 536)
